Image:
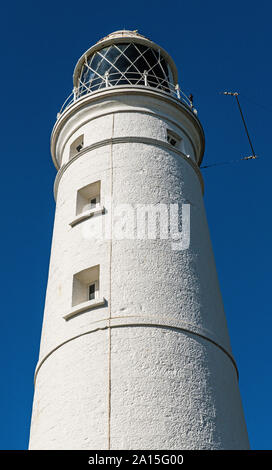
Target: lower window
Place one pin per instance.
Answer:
(85, 285)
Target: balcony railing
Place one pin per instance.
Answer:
(129, 79)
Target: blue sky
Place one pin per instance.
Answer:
(216, 46)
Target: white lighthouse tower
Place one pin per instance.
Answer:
(135, 352)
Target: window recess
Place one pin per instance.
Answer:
(85, 291)
(88, 202)
(173, 139)
(76, 146)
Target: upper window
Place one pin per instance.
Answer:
(76, 146)
(173, 139)
(92, 291)
(88, 203)
(94, 202)
(88, 197)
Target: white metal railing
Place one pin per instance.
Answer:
(115, 79)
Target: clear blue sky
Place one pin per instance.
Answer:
(216, 46)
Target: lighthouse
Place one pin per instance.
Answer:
(135, 351)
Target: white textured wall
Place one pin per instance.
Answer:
(152, 368)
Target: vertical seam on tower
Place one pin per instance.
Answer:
(109, 350)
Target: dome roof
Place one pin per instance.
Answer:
(123, 33)
(119, 37)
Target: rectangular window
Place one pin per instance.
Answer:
(88, 197)
(93, 203)
(88, 203)
(76, 146)
(173, 139)
(85, 285)
(92, 291)
(86, 293)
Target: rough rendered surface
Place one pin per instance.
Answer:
(152, 368)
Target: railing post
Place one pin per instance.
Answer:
(177, 90)
(107, 79)
(145, 78)
(75, 93)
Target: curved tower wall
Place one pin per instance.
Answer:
(147, 364)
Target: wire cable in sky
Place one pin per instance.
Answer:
(250, 157)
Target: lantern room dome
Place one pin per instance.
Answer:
(124, 58)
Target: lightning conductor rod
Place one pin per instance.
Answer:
(235, 94)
